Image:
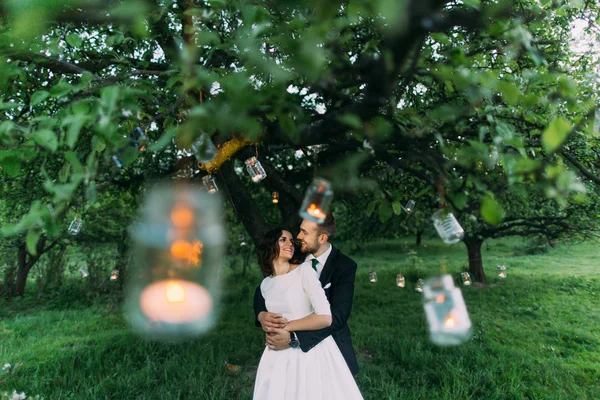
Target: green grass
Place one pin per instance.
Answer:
(536, 336)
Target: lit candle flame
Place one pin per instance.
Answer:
(184, 250)
(450, 322)
(174, 292)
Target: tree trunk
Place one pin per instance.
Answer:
(475, 260)
(419, 237)
(243, 204)
(22, 270)
(26, 261)
(8, 287)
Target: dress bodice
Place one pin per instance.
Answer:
(295, 294)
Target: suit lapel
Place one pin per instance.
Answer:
(329, 265)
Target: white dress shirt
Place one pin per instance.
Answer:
(322, 259)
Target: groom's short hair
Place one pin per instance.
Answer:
(327, 227)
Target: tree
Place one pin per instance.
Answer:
(438, 90)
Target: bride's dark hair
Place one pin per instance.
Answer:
(268, 251)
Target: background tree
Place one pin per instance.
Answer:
(443, 91)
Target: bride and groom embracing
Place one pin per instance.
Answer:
(303, 306)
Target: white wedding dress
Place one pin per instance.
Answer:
(291, 374)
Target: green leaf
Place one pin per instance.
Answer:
(555, 134)
(460, 200)
(46, 138)
(39, 97)
(491, 211)
(98, 144)
(397, 207)
(385, 211)
(77, 122)
(74, 40)
(32, 239)
(287, 124)
(71, 157)
(11, 165)
(164, 140)
(351, 120)
(64, 173)
(109, 97)
(371, 207)
(510, 93)
(61, 89)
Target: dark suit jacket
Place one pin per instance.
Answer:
(339, 270)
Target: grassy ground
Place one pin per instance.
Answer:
(537, 336)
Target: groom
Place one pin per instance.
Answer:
(336, 272)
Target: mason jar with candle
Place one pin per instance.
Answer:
(173, 290)
(317, 201)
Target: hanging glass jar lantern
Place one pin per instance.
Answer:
(372, 276)
(255, 169)
(446, 312)
(210, 184)
(275, 197)
(419, 287)
(501, 271)
(204, 149)
(75, 226)
(137, 139)
(410, 205)
(400, 281)
(174, 287)
(317, 201)
(466, 278)
(114, 275)
(447, 227)
(84, 273)
(242, 239)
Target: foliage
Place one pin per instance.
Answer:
(460, 102)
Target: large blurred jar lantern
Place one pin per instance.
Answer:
(210, 184)
(75, 226)
(204, 149)
(174, 287)
(255, 169)
(317, 200)
(447, 227)
(446, 312)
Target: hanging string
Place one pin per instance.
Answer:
(441, 192)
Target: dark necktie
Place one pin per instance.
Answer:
(315, 262)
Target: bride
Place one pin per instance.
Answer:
(295, 292)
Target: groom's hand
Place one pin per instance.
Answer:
(270, 321)
(278, 339)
